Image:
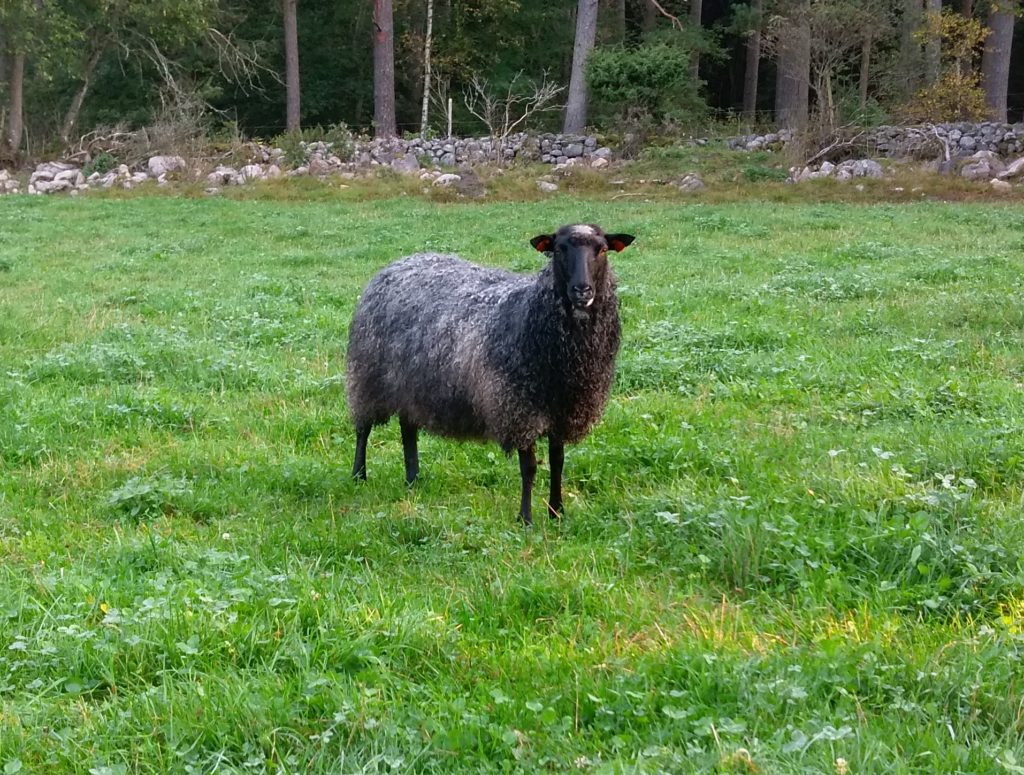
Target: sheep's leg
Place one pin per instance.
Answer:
(409, 450)
(359, 467)
(528, 471)
(556, 455)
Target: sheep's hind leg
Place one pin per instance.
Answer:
(409, 450)
(556, 455)
(359, 467)
(528, 471)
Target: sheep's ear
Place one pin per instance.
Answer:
(542, 242)
(618, 242)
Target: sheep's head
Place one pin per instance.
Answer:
(580, 257)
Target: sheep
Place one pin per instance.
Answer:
(469, 352)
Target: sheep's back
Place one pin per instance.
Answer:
(417, 345)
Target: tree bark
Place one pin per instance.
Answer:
(910, 64)
(794, 67)
(650, 16)
(753, 66)
(586, 33)
(696, 6)
(71, 117)
(620, 21)
(16, 101)
(291, 66)
(995, 61)
(383, 69)
(424, 110)
(933, 46)
(865, 70)
(963, 64)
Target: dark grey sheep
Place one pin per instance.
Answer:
(475, 353)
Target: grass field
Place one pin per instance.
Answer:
(793, 545)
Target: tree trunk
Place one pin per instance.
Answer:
(383, 69)
(16, 101)
(794, 68)
(695, 13)
(865, 71)
(995, 62)
(291, 65)
(71, 117)
(586, 33)
(963, 64)
(620, 21)
(753, 65)
(933, 46)
(424, 111)
(910, 65)
(650, 16)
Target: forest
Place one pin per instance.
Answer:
(255, 68)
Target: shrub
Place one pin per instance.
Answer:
(102, 162)
(653, 78)
(338, 136)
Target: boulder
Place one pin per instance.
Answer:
(546, 186)
(223, 176)
(407, 164)
(691, 182)
(447, 179)
(161, 165)
(1013, 169)
(599, 163)
(1000, 185)
(251, 172)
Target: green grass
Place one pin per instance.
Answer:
(795, 538)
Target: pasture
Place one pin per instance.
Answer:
(793, 545)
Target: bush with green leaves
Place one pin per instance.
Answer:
(338, 136)
(102, 162)
(653, 79)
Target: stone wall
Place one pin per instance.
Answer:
(408, 157)
(921, 141)
(452, 151)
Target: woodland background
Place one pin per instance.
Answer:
(255, 68)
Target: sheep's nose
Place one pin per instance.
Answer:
(582, 291)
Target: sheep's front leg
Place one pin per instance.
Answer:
(556, 454)
(528, 471)
(409, 450)
(359, 467)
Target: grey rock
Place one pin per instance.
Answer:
(1013, 169)
(161, 165)
(573, 150)
(251, 172)
(222, 176)
(546, 186)
(691, 182)
(968, 143)
(1000, 185)
(406, 164)
(448, 160)
(447, 179)
(599, 162)
(603, 153)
